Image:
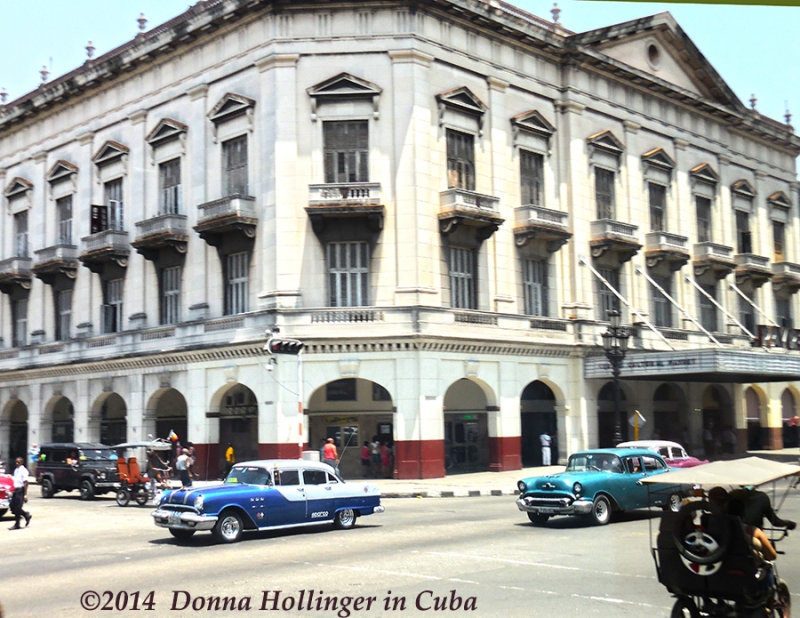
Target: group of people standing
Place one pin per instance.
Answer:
(376, 458)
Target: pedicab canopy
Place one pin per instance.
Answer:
(749, 471)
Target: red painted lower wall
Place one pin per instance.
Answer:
(207, 462)
(279, 450)
(418, 459)
(504, 454)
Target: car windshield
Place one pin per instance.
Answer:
(248, 475)
(583, 462)
(97, 454)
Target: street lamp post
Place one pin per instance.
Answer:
(615, 344)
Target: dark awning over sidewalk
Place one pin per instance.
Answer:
(712, 365)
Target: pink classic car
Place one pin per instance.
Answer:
(672, 452)
(6, 489)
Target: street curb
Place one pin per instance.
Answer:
(449, 493)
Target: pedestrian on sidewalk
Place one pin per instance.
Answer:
(546, 441)
(331, 455)
(20, 495)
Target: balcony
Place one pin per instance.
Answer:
(541, 224)
(106, 247)
(56, 261)
(786, 276)
(233, 214)
(713, 259)
(665, 248)
(607, 235)
(354, 200)
(166, 231)
(15, 271)
(752, 269)
(459, 207)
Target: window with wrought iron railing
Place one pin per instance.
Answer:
(462, 278)
(534, 284)
(170, 294)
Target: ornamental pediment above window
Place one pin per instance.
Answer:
(166, 130)
(704, 173)
(744, 188)
(657, 166)
(61, 170)
(230, 106)
(607, 141)
(18, 194)
(343, 87)
(531, 129)
(459, 104)
(779, 200)
(605, 149)
(18, 187)
(110, 152)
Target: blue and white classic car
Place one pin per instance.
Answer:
(267, 495)
(596, 483)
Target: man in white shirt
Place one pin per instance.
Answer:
(20, 495)
(546, 440)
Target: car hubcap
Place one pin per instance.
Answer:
(346, 517)
(600, 510)
(230, 528)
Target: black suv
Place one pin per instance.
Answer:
(90, 468)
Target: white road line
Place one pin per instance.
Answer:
(535, 564)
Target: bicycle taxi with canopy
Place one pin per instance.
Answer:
(709, 554)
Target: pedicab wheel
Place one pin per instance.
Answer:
(180, 534)
(123, 497)
(783, 600)
(228, 528)
(538, 519)
(684, 608)
(142, 496)
(696, 542)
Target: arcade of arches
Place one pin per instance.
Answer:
(467, 436)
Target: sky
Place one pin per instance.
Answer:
(755, 49)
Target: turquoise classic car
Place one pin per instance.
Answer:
(597, 483)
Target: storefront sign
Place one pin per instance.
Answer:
(777, 337)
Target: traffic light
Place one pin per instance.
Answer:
(278, 345)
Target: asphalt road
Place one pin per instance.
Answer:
(422, 557)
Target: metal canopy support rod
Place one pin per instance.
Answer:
(736, 289)
(680, 307)
(718, 306)
(584, 262)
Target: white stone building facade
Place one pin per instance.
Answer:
(436, 199)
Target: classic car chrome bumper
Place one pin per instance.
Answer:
(577, 507)
(183, 520)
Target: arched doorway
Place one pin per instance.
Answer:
(607, 416)
(113, 420)
(63, 424)
(717, 419)
(752, 406)
(352, 411)
(168, 408)
(538, 415)
(17, 430)
(238, 422)
(790, 419)
(466, 430)
(670, 421)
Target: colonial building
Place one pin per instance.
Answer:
(440, 200)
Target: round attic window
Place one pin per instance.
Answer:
(653, 55)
